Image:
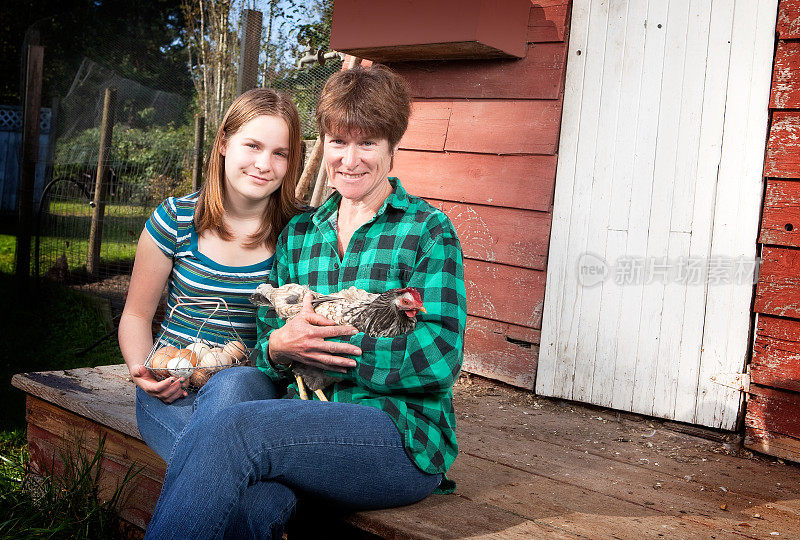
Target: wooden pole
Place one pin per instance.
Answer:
(98, 213)
(199, 136)
(30, 154)
(319, 188)
(250, 48)
(309, 171)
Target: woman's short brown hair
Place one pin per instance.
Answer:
(209, 213)
(374, 102)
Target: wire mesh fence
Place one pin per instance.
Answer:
(151, 159)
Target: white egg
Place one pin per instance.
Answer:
(215, 358)
(200, 349)
(179, 367)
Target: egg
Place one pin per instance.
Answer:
(215, 359)
(199, 378)
(199, 348)
(179, 367)
(236, 349)
(162, 356)
(189, 355)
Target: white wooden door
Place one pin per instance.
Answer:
(658, 194)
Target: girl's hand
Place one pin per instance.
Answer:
(167, 390)
(302, 340)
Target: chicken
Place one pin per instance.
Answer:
(387, 314)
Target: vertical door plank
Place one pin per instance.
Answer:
(710, 145)
(669, 388)
(586, 148)
(607, 381)
(551, 356)
(737, 207)
(667, 370)
(691, 111)
(648, 367)
(599, 169)
(642, 194)
(622, 363)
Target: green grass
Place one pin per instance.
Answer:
(75, 208)
(8, 246)
(111, 252)
(57, 506)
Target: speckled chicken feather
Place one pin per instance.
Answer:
(376, 315)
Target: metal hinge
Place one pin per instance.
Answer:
(737, 381)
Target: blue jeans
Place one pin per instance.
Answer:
(161, 424)
(237, 473)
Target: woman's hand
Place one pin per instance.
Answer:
(167, 390)
(302, 340)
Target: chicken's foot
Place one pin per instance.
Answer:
(301, 387)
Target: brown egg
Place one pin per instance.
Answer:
(236, 350)
(162, 356)
(189, 355)
(199, 378)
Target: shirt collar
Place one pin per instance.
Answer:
(397, 199)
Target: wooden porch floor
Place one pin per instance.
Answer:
(546, 468)
(529, 467)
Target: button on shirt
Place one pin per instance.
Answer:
(408, 243)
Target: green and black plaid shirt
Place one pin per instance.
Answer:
(408, 243)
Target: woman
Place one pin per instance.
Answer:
(387, 436)
(218, 242)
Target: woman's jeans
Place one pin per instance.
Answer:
(235, 472)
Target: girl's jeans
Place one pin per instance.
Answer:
(235, 471)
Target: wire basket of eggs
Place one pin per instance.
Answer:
(198, 358)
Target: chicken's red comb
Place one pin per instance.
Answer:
(413, 292)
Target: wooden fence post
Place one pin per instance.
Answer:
(98, 213)
(309, 171)
(30, 154)
(199, 137)
(251, 47)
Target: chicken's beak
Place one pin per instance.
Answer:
(422, 309)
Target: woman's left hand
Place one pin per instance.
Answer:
(303, 340)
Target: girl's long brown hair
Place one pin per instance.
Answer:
(282, 205)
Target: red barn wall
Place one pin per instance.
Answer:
(773, 407)
(482, 146)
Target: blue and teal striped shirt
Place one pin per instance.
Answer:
(194, 274)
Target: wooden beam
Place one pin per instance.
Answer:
(504, 293)
(504, 127)
(103, 159)
(525, 182)
(778, 288)
(788, 26)
(250, 43)
(548, 21)
(501, 351)
(783, 147)
(199, 140)
(30, 154)
(776, 353)
(540, 75)
(500, 235)
(780, 220)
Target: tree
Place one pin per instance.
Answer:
(213, 52)
(139, 39)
